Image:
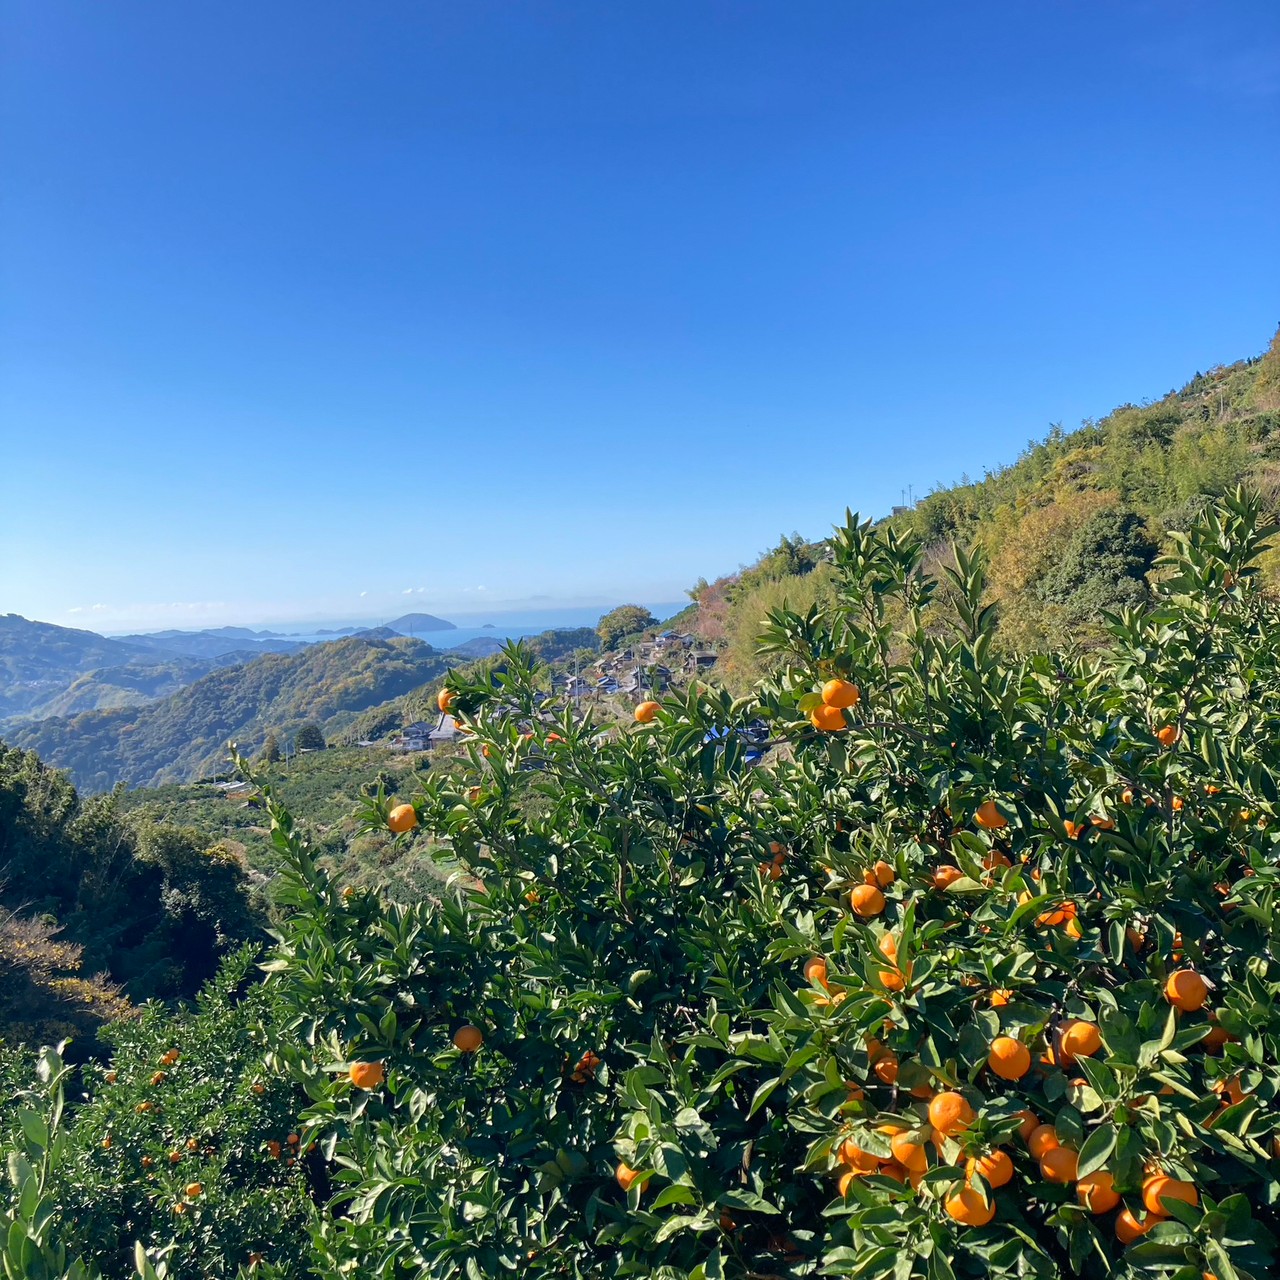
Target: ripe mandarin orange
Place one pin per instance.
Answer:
(969, 1208)
(950, 1113)
(1097, 1192)
(827, 719)
(1080, 1039)
(856, 1158)
(909, 1152)
(367, 1075)
(1010, 1059)
(1129, 1229)
(841, 694)
(995, 1167)
(989, 817)
(402, 818)
(886, 1068)
(1160, 1187)
(1185, 989)
(1043, 1138)
(866, 901)
(1059, 1164)
(626, 1177)
(468, 1039)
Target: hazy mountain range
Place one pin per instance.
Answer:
(47, 670)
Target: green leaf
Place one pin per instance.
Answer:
(1097, 1148)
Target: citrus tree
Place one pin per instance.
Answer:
(975, 975)
(182, 1148)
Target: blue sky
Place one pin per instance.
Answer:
(311, 310)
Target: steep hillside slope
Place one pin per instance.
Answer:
(1072, 528)
(186, 734)
(39, 660)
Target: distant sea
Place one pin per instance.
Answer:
(502, 625)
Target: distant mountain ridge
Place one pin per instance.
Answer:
(186, 733)
(38, 660)
(212, 644)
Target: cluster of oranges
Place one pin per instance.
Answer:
(837, 697)
(288, 1150)
(585, 1071)
(772, 870)
(949, 1115)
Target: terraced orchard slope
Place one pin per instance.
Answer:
(977, 975)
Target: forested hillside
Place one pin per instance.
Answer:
(39, 660)
(419, 704)
(97, 905)
(186, 734)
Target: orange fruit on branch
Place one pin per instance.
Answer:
(970, 1208)
(950, 1113)
(468, 1039)
(646, 712)
(989, 817)
(1080, 1039)
(1168, 735)
(627, 1176)
(827, 719)
(1041, 1140)
(1160, 1187)
(856, 1158)
(1185, 989)
(909, 1152)
(886, 1068)
(881, 874)
(841, 694)
(995, 1167)
(1129, 1229)
(1010, 1059)
(1097, 1192)
(866, 901)
(404, 817)
(1059, 1164)
(366, 1075)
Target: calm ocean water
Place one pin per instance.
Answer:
(504, 626)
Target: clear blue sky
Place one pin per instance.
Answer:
(304, 306)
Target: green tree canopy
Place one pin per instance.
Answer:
(625, 620)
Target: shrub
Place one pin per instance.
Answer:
(670, 1085)
(184, 1102)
